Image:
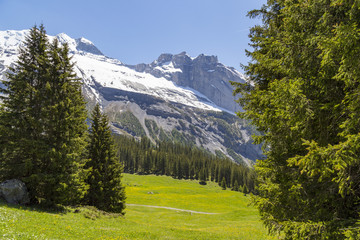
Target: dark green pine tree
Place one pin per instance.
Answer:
(223, 183)
(20, 110)
(106, 191)
(236, 186)
(202, 177)
(65, 129)
(245, 190)
(43, 123)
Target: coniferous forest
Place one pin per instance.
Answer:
(182, 162)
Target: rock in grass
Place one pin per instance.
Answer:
(14, 191)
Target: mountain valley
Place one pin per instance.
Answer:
(175, 98)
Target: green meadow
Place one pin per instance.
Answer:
(232, 217)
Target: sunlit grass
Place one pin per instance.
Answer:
(235, 219)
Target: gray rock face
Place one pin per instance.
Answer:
(14, 191)
(204, 74)
(165, 57)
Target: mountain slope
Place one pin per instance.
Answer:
(175, 98)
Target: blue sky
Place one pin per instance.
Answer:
(138, 31)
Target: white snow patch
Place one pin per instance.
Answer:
(168, 67)
(86, 41)
(11, 40)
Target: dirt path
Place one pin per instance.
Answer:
(170, 208)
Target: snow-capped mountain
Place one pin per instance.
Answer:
(203, 74)
(176, 97)
(93, 67)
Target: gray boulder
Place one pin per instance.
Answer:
(14, 191)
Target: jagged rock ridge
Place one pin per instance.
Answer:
(203, 74)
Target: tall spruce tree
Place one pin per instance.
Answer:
(303, 94)
(235, 186)
(106, 191)
(223, 183)
(21, 132)
(202, 177)
(43, 122)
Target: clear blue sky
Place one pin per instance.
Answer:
(138, 31)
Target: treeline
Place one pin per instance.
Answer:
(182, 162)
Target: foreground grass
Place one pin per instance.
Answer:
(234, 218)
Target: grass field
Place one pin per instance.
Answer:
(234, 219)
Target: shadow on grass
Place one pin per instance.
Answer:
(89, 212)
(58, 209)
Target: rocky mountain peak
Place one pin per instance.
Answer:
(64, 38)
(78, 45)
(206, 60)
(177, 60)
(82, 44)
(163, 58)
(181, 60)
